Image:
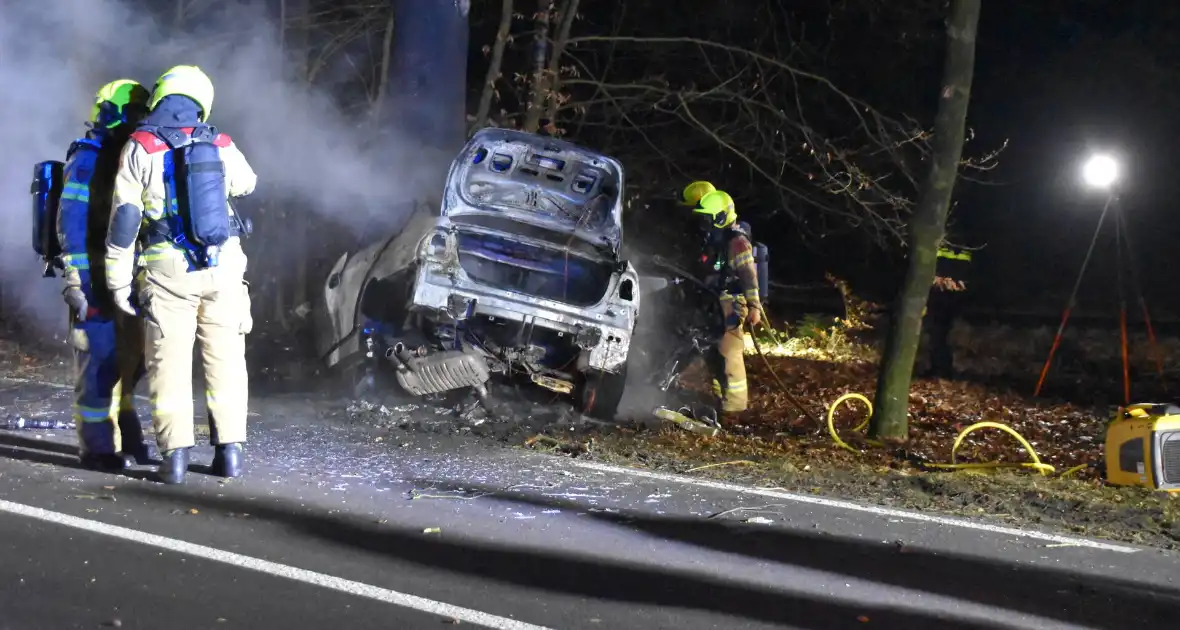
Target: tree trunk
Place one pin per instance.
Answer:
(299, 43)
(494, 65)
(290, 282)
(890, 422)
(539, 84)
(429, 73)
(378, 106)
(569, 10)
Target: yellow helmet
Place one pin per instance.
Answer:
(718, 207)
(118, 102)
(187, 81)
(693, 192)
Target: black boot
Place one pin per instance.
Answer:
(173, 466)
(135, 450)
(97, 451)
(227, 460)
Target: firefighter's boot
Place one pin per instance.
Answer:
(173, 466)
(97, 450)
(227, 460)
(135, 450)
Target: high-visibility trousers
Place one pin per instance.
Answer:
(210, 306)
(729, 384)
(108, 364)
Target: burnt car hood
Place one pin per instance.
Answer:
(568, 195)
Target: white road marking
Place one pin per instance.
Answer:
(350, 587)
(849, 505)
(802, 498)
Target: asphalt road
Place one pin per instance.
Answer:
(344, 524)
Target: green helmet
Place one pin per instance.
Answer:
(118, 102)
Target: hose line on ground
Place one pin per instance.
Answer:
(1035, 464)
(782, 386)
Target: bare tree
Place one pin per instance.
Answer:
(567, 13)
(750, 103)
(845, 161)
(890, 420)
(538, 85)
(379, 98)
(495, 65)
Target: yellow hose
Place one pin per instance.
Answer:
(860, 427)
(1036, 463)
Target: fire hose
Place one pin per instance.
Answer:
(1035, 464)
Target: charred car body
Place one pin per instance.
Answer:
(518, 273)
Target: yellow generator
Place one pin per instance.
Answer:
(1143, 447)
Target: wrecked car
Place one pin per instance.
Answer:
(518, 274)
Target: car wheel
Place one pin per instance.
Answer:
(599, 393)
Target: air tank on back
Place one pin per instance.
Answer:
(48, 179)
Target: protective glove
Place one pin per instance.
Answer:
(123, 301)
(76, 299)
(754, 316)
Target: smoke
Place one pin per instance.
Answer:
(308, 155)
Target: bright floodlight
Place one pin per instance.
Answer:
(1101, 171)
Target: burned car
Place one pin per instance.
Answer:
(519, 274)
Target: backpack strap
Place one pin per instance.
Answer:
(147, 138)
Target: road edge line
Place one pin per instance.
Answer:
(857, 507)
(274, 569)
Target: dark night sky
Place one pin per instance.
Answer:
(1060, 79)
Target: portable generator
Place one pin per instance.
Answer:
(1143, 447)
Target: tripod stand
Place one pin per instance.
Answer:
(1122, 241)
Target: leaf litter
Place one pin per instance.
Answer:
(773, 445)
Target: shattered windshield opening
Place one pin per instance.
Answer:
(558, 186)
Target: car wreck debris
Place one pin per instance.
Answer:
(518, 275)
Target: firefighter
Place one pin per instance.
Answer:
(946, 300)
(735, 277)
(108, 344)
(175, 177)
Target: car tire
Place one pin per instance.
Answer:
(600, 393)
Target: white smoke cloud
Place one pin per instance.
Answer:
(54, 56)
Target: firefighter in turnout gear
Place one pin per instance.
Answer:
(108, 344)
(946, 300)
(175, 177)
(730, 257)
